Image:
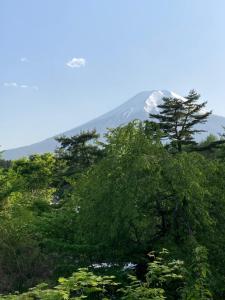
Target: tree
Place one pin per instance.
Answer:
(141, 195)
(5, 164)
(212, 147)
(74, 156)
(178, 118)
(197, 275)
(164, 280)
(82, 284)
(35, 172)
(22, 261)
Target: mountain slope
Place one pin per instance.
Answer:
(137, 107)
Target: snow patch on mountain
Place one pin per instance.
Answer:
(138, 107)
(155, 98)
(128, 112)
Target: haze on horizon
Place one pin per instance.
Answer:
(64, 63)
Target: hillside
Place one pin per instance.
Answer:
(138, 107)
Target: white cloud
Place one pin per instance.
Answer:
(22, 86)
(10, 84)
(24, 60)
(76, 62)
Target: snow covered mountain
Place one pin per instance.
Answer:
(137, 107)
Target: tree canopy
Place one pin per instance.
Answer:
(178, 118)
(131, 218)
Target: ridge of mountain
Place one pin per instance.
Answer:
(137, 107)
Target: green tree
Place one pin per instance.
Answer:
(178, 118)
(164, 280)
(197, 285)
(140, 195)
(34, 172)
(74, 156)
(22, 262)
(83, 284)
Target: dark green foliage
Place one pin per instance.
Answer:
(198, 275)
(141, 195)
(35, 172)
(81, 285)
(121, 201)
(22, 263)
(5, 164)
(74, 156)
(166, 278)
(178, 117)
(79, 152)
(212, 147)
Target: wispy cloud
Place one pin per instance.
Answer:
(76, 62)
(10, 84)
(24, 59)
(21, 86)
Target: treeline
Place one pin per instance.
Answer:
(91, 209)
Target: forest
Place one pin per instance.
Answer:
(139, 214)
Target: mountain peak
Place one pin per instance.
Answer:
(138, 107)
(155, 98)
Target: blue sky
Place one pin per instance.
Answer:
(125, 47)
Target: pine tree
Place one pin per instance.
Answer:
(178, 118)
(74, 156)
(79, 151)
